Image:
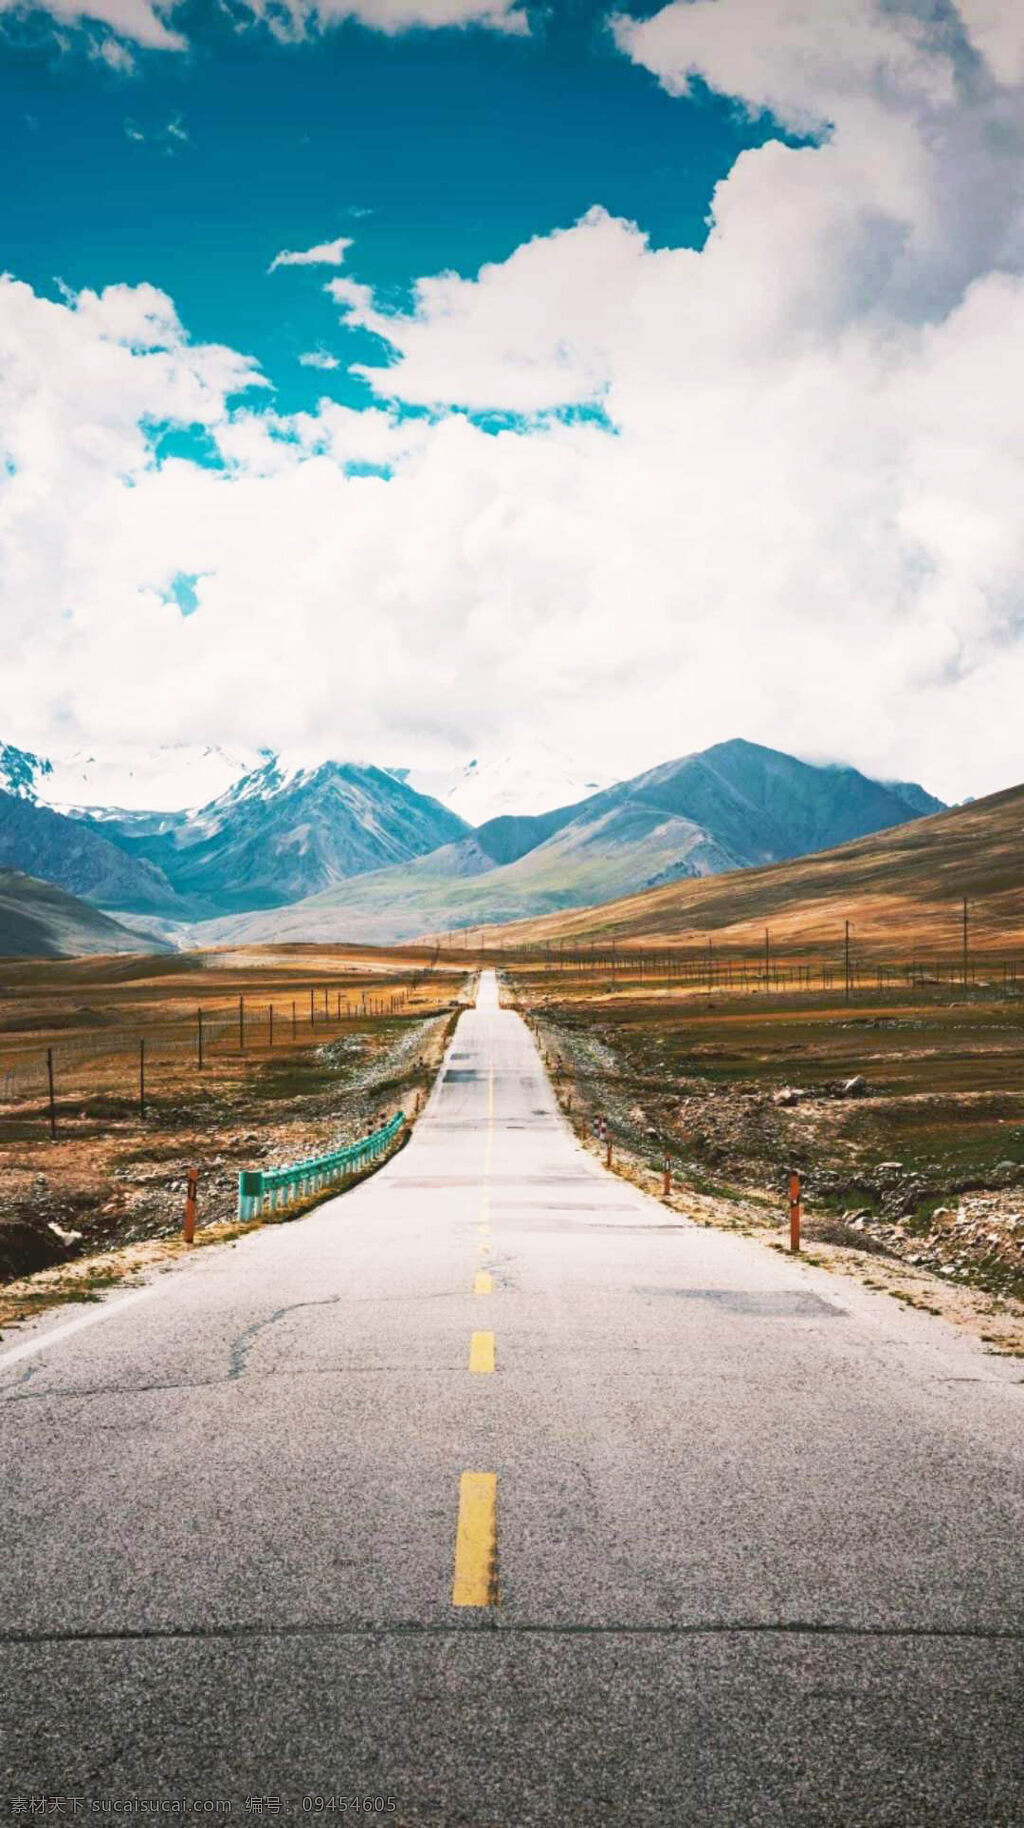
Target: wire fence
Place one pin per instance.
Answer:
(710, 967)
(122, 1059)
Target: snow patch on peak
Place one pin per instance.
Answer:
(170, 778)
(536, 780)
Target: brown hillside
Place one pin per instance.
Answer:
(902, 887)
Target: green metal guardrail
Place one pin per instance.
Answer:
(263, 1190)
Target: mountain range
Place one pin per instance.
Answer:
(38, 920)
(335, 849)
(730, 807)
(903, 888)
(275, 835)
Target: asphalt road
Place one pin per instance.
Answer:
(718, 1540)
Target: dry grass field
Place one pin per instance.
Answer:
(355, 1032)
(903, 1112)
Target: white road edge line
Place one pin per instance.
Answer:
(108, 1311)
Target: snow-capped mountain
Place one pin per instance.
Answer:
(731, 807)
(290, 829)
(168, 778)
(188, 777)
(536, 781)
(296, 829)
(281, 829)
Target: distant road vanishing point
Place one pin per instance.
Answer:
(494, 1492)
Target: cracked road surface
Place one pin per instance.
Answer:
(488, 1489)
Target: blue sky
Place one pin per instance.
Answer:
(674, 386)
(431, 150)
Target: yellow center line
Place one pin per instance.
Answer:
(489, 1151)
(481, 1352)
(476, 1541)
(482, 1284)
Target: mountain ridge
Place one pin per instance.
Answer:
(912, 878)
(82, 859)
(618, 840)
(39, 920)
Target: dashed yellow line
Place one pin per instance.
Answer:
(476, 1541)
(482, 1284)
(481, 1353)
(489, 1150)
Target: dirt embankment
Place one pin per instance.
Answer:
(99, 1201)
(942, 1222)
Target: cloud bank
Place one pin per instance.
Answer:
(147, 23)
(648, 497)
(143, 22)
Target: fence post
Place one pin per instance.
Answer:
(666, 1178)
(53, 1102)
(271, 1025)
(794, 1212)
(188, 1230)
(142, 1077)
(199, 1038)
(241, 1025)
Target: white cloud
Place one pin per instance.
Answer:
(801, 60)
(803, 525)
(496, 341)
(115, 54)
(996, 29)
(147, 22)
(294, 18)
(167, 136)
(325, 254)
(318, 358)
(138, 20)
